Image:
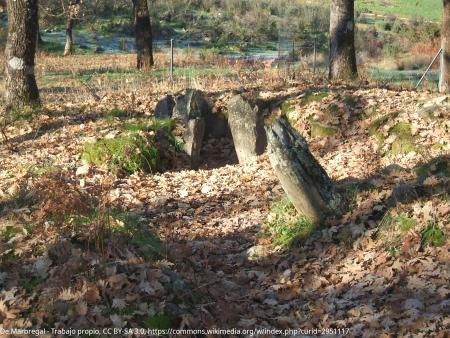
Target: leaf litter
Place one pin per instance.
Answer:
(346, 275)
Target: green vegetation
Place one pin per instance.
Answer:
(24, 114)
(117, 113)
(311, 97)
(322, 130)
(404, 142)
(433, 235)
(439, 167)
(128, 153)
(136, 149)
(285, 226)
(393, 229)
(159, 321)
(138, 233)
(430, 9)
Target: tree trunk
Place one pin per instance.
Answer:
(68, 49)
(303, 179)
(143, 32)
(21, 87)
(342, 40)
(444, 81)
(39, 36)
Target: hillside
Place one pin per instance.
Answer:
(430, 9)
(78, 244)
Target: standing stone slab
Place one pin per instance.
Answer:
(246, 120)
(164, 108)
(305, 182)
(193, 109)
(194, 104)
(193, 138)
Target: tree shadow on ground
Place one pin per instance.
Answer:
(338, 278)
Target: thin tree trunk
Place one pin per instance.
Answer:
(444, 81)
(143, 31)
(342, 40)
(21, 87)
(39, 36)
(68, 49)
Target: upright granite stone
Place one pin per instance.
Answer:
(246, 121)
(193, 109)
(164, 108)
(194, 104)
(193, 138)
(303, 179)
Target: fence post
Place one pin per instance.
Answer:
(293, 50)
(315, 56)
(171, 60)
(429, 67)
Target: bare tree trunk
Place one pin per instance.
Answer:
(21, 87)
(68, 49)
(72, 12)
(444, 81)
(342, 40)
(39, 36)
(143, 31)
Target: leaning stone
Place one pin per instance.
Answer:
(303, 179)
(246, 120)
(164, 108)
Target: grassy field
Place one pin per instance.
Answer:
(430, 9)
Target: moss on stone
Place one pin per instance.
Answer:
(322, 130)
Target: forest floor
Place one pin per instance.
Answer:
(77, 249)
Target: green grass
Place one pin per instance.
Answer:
(117, 113)
(138, 233)
(24, 114)
(285, 226)
(136, 149)
(408, 78)
(393, 229)
(127, 153)
(159, 321)
(433, 235)
(430, 9)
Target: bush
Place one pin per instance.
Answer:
(392, 49)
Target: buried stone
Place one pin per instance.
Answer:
(303, 179)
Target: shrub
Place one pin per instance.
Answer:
(392, 49)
